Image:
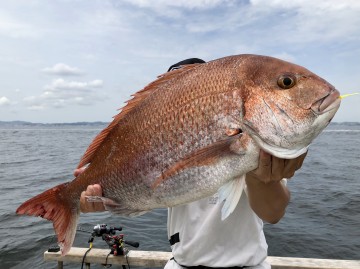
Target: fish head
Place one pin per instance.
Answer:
(285, 105)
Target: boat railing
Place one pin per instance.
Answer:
(151, 259)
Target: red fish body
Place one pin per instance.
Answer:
(192, 132)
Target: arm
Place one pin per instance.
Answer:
(268, 197)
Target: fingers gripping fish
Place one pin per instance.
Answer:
(192, 132)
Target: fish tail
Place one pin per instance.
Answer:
(55, 205)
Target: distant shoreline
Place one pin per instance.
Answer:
(60, 124)
(98, 123)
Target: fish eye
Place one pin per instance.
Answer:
(286, 81)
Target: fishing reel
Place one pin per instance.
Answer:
(101, 229)
(115, 242)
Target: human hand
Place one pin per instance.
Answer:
(91, 190)
(273, 169)
(85, 206)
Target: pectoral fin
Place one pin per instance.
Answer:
(205, 156)
(230, 193)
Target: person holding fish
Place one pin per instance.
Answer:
(198, 236)
(210, 141)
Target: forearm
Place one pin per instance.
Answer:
(268, 200)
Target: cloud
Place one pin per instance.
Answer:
(128, 43)
(61, 85)
(309, 5)
(4, 101)
(61, 93)
(306, 21)
(36, 107)
(288, 22)
(185, 4)
(285, 56)
(61, 69)
(192, 16)
(14, 28)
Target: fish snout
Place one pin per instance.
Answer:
(327, 103)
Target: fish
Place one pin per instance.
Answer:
(191, 133)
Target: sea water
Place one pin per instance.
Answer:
(322, 219)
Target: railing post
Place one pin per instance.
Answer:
(60, 265)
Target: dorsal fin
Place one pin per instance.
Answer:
(131, 104)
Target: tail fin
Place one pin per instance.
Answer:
(56, 205)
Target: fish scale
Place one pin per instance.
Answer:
(192, 132)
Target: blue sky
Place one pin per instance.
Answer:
(69, 61)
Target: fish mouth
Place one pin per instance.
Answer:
(327, 103)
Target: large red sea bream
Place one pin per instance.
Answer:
(192, 132)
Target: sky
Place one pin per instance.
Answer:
(80, 60)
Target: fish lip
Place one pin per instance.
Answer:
(327, 103)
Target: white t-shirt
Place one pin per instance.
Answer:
(239, 240)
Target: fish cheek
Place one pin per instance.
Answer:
(309, 90)
(284, 107)
(257, 116)
(304, 98)
(269, 118)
